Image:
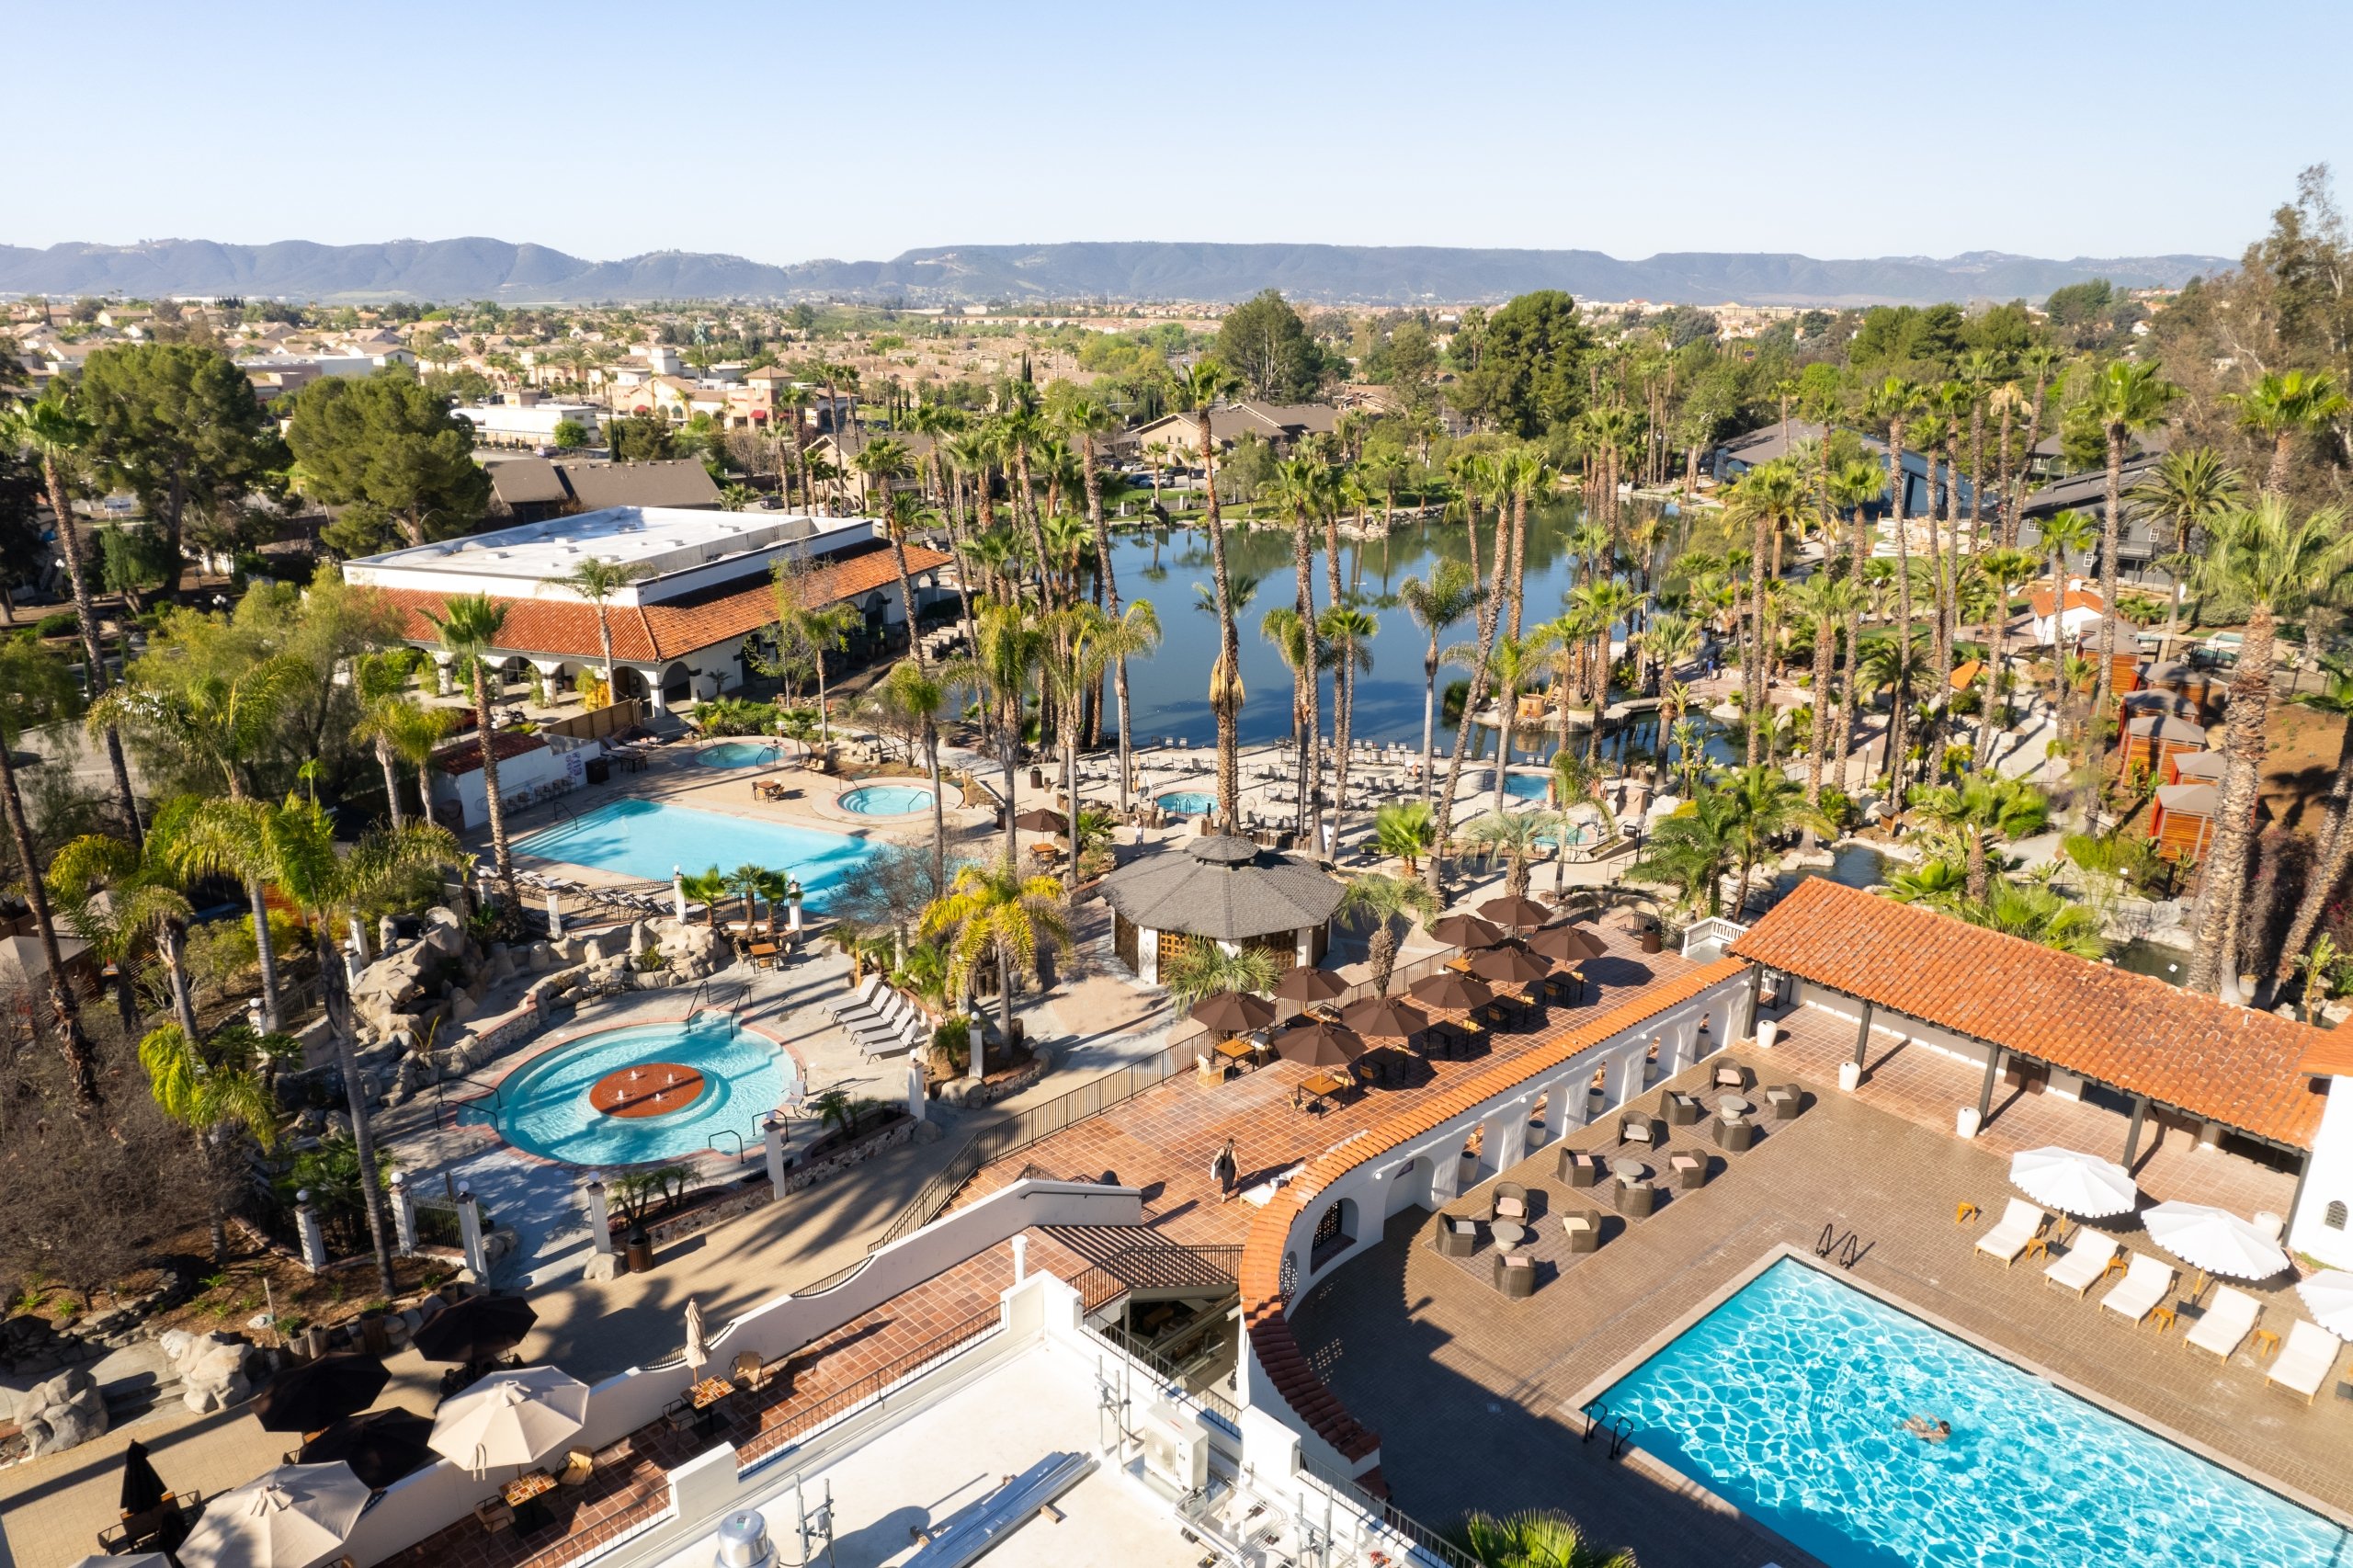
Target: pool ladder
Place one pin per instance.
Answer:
(1598, 1420)
(1846, 1250)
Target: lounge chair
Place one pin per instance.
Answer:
(2144, 1289)
(2305, 1360)
(2020, 1223)
(1734, 1077)
(1583, 1232)
(915, 1033)
(1510, 1202)
(2226, 1323)
(859, 1001)
(1637, 1128)
(2086, 1262)
(885, 1017)
(1516, 1274)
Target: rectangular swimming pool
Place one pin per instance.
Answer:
(647, 838)
(1790, 1401)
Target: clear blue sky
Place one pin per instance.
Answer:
(783, 132)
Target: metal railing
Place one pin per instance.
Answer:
(1428, 1541)
(1171, 1378)
(867, 1389)
(1154, 1267)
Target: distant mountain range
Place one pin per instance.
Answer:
(1140, 270)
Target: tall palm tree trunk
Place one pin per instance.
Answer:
(81, 1061)
(1343, 677)
(390, 764)
(1229, 649)
(2331, 854)
(502, 857)
(2214, 961)
(1826, 643)
(2110, 531)
(337, 996)
(1490, 613)
(86, 611)
(2017, 500)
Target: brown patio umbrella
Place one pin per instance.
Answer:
(1569, 945)
(1320, 1045)
(1234, 1012)
(316, 1394)
(1466, 931)
(1510, 966)
(380, 1447)
(1037, 819)
(1456, 993)
(1522, 914)
(476, 1329)
(1307, 985)
(1385, 1017)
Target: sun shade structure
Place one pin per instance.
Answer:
(1307, 985)
(2330, 1297)
(1320, 1045)
(1234, 1012)
(1385, 1017)
(1220, 889)
(476, 1329)
(1510, 966)
(2074, 1182)
(1467, 931)
(1569, 945)
(698, 1354)
(510, 1418)
(1523, 913)
(380, 1447)
(1456, 993)
(2214, 1240)
(141, 1487)
(288, 1517)
(310, 1397)
(1037, 819)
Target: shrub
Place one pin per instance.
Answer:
(1839, 807)
(735, 716)
(64, 623)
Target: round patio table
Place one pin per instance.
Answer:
(1628, 1171)
(1508, 1233)
(1732, 1108)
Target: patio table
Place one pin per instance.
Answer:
(523, 1494)
(1628, 1171)
(1732, 1108)
(1507, 1233)
(1239, 1051)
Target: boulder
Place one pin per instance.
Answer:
(64, 1413)
(212, 1368)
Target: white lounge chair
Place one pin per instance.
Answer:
(889, 1023)
(859, 1001)
(2019, 1224)
(2143, 1288)
(914, 1034)
(2086, 1262)
(2226, 1323)
(2305, 1360)
(886, 1009)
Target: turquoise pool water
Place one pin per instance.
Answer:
(1526, 786)
(739, 753)
(885, 800)
(1188, 802)
(647, 838)
(1790, 1399)
(544, 1106)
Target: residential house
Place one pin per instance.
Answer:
(2083, 610)
(842, 452)
(1766, 443)
(2141, 537)
(1281, 426)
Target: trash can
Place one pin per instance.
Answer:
(599, 771)
(638, 1250)
(1650, 939)
(372, 1333)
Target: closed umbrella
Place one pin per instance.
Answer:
(698, 1353)
(315, 1395)
(2214, 1240)
(1234, 1012)
(1514, 910)
(510, 1418)
(1455, 992)
(1510, 966)
(2076, 1183)
(1570, 945)
(2329, 1294)
(1385, 1015)
(1307, 985)
(141, 1487)
(476, 1329)
(1320, 1045)
(288, 1517)
(1466, 931)
(380, 1447)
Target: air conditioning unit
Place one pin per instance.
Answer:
(1175, 1447)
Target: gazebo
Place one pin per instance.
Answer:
(1222, 889)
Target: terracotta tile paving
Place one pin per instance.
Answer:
(1474, 1395)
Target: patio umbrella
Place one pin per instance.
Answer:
(1386, 1016)
(698, 1353)
(1037, 819)
(1234, 1012)
(1307, 985)
(1568, 944)
(287, 1517)
(380, 1447)
(134, 1559)
(2329, 1294)
(2083, 1185)
(1320, 1045)
(476, 1329)
(1512, 910)
(2214, 1240)
(510, 1418)
(1510, 966)
(1466, 931)
(1456, 993)
(141, 1487)
(315, 1395)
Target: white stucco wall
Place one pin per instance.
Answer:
(2329, 1179)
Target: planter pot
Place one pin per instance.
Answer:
(372, 1332)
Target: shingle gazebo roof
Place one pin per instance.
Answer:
(1223, 888)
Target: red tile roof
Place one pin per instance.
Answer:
(1260, 1274)
(2132, 1032)
(673, 628)
(2077, 598)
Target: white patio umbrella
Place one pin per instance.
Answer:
(510, 1418)
(131, 1559)
(287, 1517)
(698, 1353)
(2214, 1240)
(2329, 1294)
(2080, 1184)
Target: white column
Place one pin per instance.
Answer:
(359, 940)
(1565, 1105)
(1148, 955)
(1446, 1172)
(1020, 1258)
(470, 1233)
(307, 1227)
(1512, 1121)
(655, 701)
(1302, 949)
(555, 918)
(678, 893)
(404, 1214)
(793, 912)
(772, 1131)
(601, 1219)
(1491, 1142)
(441, 663)
(1625, 1079)
(918, 1091)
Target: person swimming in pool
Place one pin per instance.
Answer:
(1929, 1428)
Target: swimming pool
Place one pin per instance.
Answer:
(884, 800)
(1527, 786)
(1789, 1401)
(739, 753)
(647, 838)
(1188, 802)
(544, 1109)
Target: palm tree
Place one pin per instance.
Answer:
(1982, 811)
(2278, 564)
(1302, 654)
(2127, 398)
(380, 682)
(921, 697)
(1535, 1540)
(1008, 647)
(902, 509)
(1939, 883)
(1826, 602)
(1197, 392)
(1299, 490)
(1694, 848)
(1451, 593)
(2191, 485)
(212, 1094)
(33, 688)
(813, 630)
(1390, 904)
(1479, 478)
(1344, 630)
(2065, 532)
(1766, 804)
(56, 437)
(1978, 374)
(469, 626)
(2283, 405)
(1511, 662)
(595, 580)
(1851, 488)
(1207, 969)
(1896, 401)
(124, 899)
(1404, 831)
(1769, 497)
(997, 916)
(1513, 838)
(705, 887)
(2006, 571)
(2333, 851)
(2040, 915)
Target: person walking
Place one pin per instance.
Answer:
(1225, 1167)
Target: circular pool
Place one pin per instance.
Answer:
(884, 800)
(1188, 802)
(739, 753)
(1527, 785)
(578, 1104)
